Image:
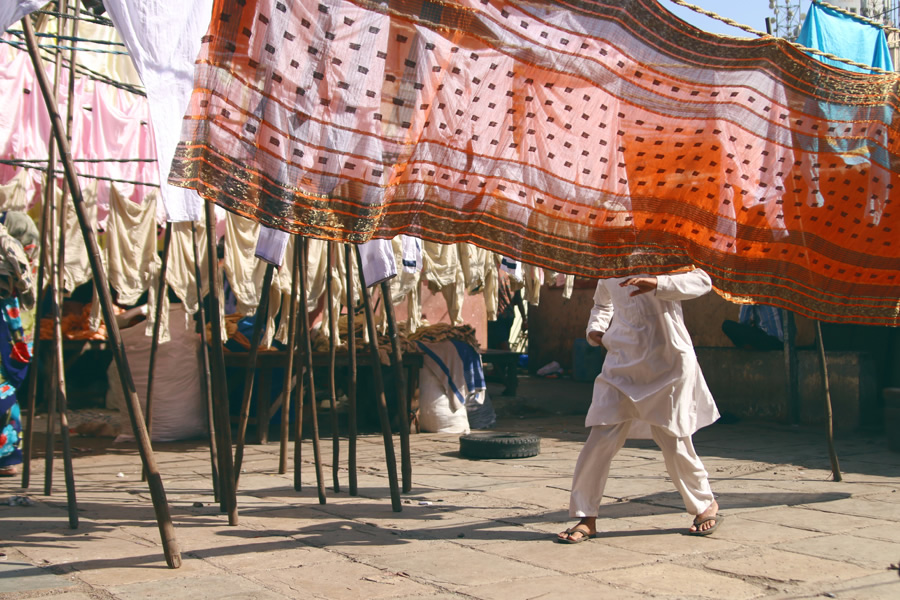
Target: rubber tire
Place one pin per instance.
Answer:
(497, 444)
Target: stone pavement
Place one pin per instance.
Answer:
(469, 529)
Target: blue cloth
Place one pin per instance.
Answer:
(474, 371)
(767, 318)
(830, 31)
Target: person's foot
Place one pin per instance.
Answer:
(9, 471)
(705, 522)
(584, 530)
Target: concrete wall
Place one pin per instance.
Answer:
(556, 323)
(751, 384)
(862, 360)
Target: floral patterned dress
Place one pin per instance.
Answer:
(13, 368)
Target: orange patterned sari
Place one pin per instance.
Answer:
(598, 138)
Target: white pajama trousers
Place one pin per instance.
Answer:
(604, 441)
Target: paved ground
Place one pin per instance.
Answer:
(469, 529)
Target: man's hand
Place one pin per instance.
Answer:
(596, 337)
(643, 284)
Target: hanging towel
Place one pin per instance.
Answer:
(839, 34)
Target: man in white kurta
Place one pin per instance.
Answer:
(650, 386)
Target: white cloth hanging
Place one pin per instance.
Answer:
(472, 259)
(180, 271)
(569, 287)
(534, 279)
(272, 245)
(14, 194)
(377, 257)
(443, 274)
(77, 267)
(13, 10)
(163, 38)
(245, 272)
(405, 286)
(131, 245)
(410, 253)
(491, 285)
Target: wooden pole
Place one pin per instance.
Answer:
(206, 381)
(162, 290)
(262, 315)
(307, 351)
(62, 403)
(289, 367)
(52, 395)
(34, 368)
(60, 382)
(791, 364)
(829, 421)
(227, 488)
(157, 491)
(351, 370)
(400, 385)
(389, 456)
(332, 358)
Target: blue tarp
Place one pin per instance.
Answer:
(844, 36)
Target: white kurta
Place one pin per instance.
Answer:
(650, 374)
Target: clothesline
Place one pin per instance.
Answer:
(85, 71)
(58, 47)
(17, 161)
(23, 164)
(96, 20)
(68, 38)
(800, 47)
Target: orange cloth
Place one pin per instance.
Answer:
(75, 325)
(601, 139)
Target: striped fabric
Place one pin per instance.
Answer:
(599, 138)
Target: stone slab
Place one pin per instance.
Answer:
(19, 577)
(788, 567)
(669, 580)
(469, 567)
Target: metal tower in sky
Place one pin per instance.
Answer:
(788, 18)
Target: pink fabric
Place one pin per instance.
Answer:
(107, 123)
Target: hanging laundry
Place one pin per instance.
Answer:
(833, 32)
(377, 257)
(600, 141)
(163, 39)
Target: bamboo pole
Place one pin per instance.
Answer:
(206, 381)
(791, 364)
(162, 290)
(52, 395)
(60, 382)
(332, 357)
(62, 398)
(400, 385)
(351, 370)
(34, 367)
(829, 421)
(288, 368)
(262, 315)
(381, 403)
(157, 491)
(228, 491)
(308, 357)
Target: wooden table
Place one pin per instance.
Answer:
(269, 360)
